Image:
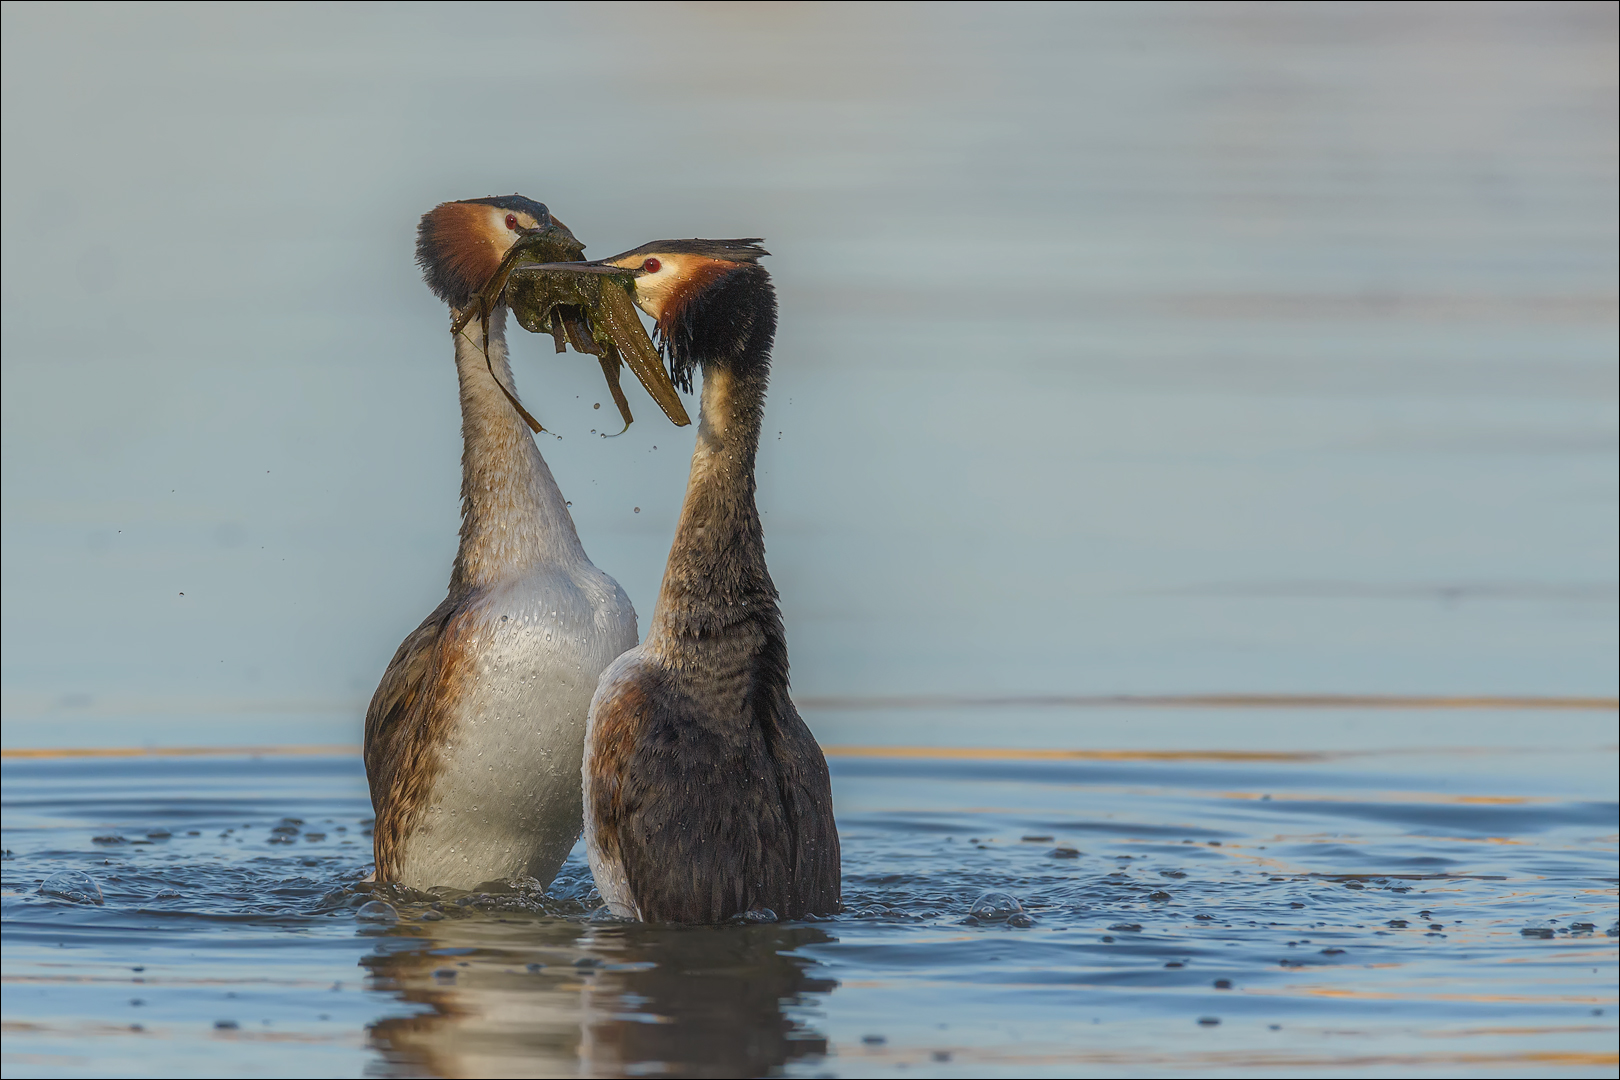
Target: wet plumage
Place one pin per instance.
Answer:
(475, 735)
(706, 795)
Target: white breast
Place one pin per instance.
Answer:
(506, 802)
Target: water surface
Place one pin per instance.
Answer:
(1444, 910)
(1124, 348)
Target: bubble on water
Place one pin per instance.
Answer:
(993, 906)
(74, 886)
(167, 894)
(757, 915)
(376, 911)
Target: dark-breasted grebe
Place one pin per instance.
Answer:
(706, 796)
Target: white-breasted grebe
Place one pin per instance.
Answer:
(475, 736)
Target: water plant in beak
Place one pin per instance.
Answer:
(591, 307)
(585, 305)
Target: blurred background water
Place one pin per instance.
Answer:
(1220, 355)
(1125, 349)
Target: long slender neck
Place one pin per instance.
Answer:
(716, 577)
(513, 517)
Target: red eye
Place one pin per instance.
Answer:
(651, 266)
(511, 222)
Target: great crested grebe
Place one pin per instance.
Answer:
(706, 796)
(475, 736)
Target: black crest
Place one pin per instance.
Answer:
(745, 250)
(536, 210)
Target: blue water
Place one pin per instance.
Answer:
(1438, 911)
(1125, 349)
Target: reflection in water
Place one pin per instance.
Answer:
(487, 1014)
(536, 996)
(710, 1002)
(1451, 906)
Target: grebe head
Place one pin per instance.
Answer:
(460, 245)
(711, 299)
